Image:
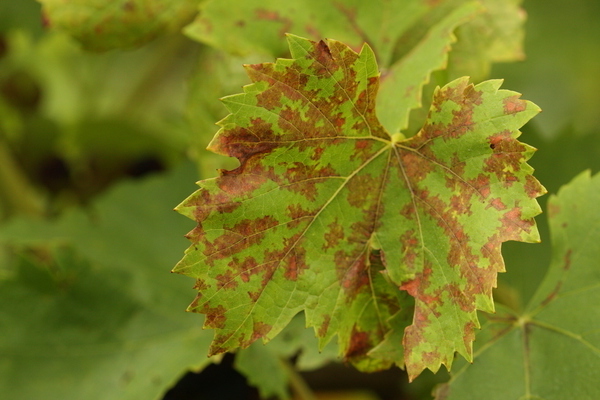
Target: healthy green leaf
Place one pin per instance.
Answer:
(550, 351)
(329, 214)
(97, 321)
(109, 24)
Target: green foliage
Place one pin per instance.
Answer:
(89, 309)
(99, 311)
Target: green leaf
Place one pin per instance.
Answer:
(495, 35)
(329, 214)
(550, 351)
(107, 24)
(94, 318)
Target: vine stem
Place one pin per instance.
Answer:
(298, 384)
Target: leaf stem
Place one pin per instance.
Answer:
(298, 384)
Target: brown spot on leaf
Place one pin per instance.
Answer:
(260, 330)
(333, 235)
(497, 203)
(359, 344)
(533, 188)
(226, 280)
(215, 316)
(324, 326)
(363, 191)
(514, 104)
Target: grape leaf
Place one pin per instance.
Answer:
(105, 25)
(95, 320)
(329, 214)
(551, 350)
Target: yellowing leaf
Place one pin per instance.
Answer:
(330, 214)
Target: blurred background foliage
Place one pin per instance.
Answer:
(96, 148)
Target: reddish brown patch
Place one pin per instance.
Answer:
(464, 299)
(363, 191)
(244, 234)
(215, 316)
(260, 330)
(415, 166)
(324, 326)
(482, 184)
(226, 281)
(514, 104)
(352, 271)
(254, 295)
(469, 335)
(461, 203)
(418, 287)
(297, 215)
(359, 344)
(533, 188)
(411, 248)
(497, 203)
(201, 285)
(304, 179)
(334, 235)
(295, 262)
(513, 224)
(506, 159)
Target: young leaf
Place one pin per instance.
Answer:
(552, 349)
(329, 214)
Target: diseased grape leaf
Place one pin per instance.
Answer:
(551, 350)
(329, 214)
(109, 24)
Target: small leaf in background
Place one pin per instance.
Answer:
(552, 349)
(329, 214)
(495, 35)
(89, 314)
(109, 24)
